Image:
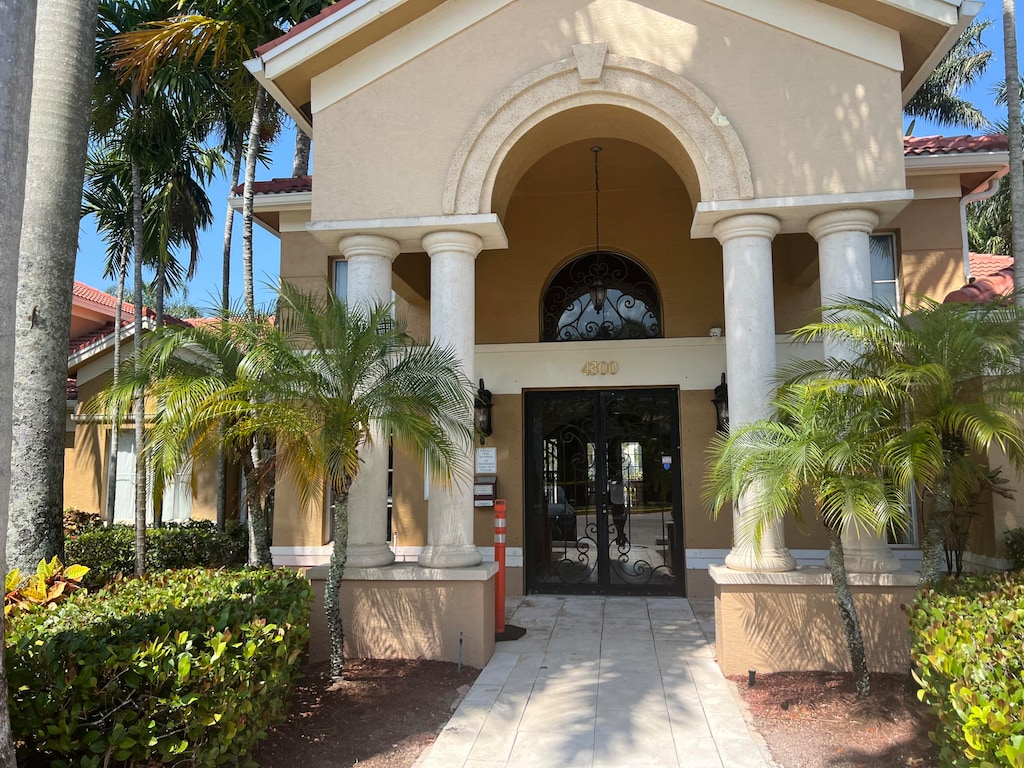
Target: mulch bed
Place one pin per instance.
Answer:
(814, 720)
(382, 715)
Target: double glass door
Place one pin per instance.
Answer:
(603, 492)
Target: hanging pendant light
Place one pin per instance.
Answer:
(598, 291)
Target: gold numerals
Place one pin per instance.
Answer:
(600, 368)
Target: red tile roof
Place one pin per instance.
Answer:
(277, 186)
(993, 277)
(299, 28)
(984, 264)
(944, 145)
(104, 299)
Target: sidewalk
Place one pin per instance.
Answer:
(602, 683)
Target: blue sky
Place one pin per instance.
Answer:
(204, 291)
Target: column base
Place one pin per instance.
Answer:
(449, 556)
(369, 556)
(868, 557)
(771, 560)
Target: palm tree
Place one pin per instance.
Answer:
(820, 442)
(17, 43)
(963, 65)
(313, 386)
(1014, 132)
(58, 138)
(955, 372)
(218, 37)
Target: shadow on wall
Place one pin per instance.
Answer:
(780, 629)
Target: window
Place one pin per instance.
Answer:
(883, 269)
(341, 279)
(601, 295)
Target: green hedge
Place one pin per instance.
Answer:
(186, 668)
(968, 651)
(195, 543)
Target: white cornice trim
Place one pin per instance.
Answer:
(826, 25)
(409, 232)
(275, 201)
(967, 162)
(794, 212)
(107, 342)
(969, 9)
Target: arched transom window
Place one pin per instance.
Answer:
(601, 295)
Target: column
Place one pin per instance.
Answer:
(750, 360)
(369, 260)
(844, 265)
(453, 325)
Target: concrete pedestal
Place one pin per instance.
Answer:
(403, 611)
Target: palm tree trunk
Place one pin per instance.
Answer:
(17, 42)
(115, 420)
(159, 290)
(259, 546)
(848, 613)
(933, 556)
(300, 161)
(332, 590)
(58, 139)
(247, 200)
(140, 400)
(1013, 117)
(225, 301)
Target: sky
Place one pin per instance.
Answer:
(205, 288)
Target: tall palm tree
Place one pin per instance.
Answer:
(821, 442)
(58, 137)
(313, 385)
(1014, 132)
(17, 44)
(963, 65)
(954, 370)
(218, 36)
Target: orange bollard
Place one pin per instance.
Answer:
(499, 556)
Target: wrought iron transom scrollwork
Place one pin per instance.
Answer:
(630, 310)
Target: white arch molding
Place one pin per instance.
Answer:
(686, 112)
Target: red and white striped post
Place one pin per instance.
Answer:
(499, 556)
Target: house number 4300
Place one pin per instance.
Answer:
(600, 368)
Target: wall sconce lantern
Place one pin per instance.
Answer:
(482, 406)
(721, 402)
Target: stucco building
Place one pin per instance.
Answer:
(604, 206)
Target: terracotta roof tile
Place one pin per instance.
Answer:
(945, 145)
(986, 288)
(299, 28)
(984, 264)
(72, 388)
(104, 299)
(86, 340)
(277, 186)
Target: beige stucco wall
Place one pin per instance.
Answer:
(814, 120)
(930, 242)
(775, 628)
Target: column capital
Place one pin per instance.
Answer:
(832, 222)
(452, 240)
(353, 246)
(746, 225)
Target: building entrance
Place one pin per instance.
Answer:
(603, 492)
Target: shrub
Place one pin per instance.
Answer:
(110, 552)
(52, 583)
(78, 521)
(1014, 540)
(968, 650)
(186, 668)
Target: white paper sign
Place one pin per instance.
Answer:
(487, 461)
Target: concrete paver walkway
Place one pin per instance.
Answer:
(601, 683)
